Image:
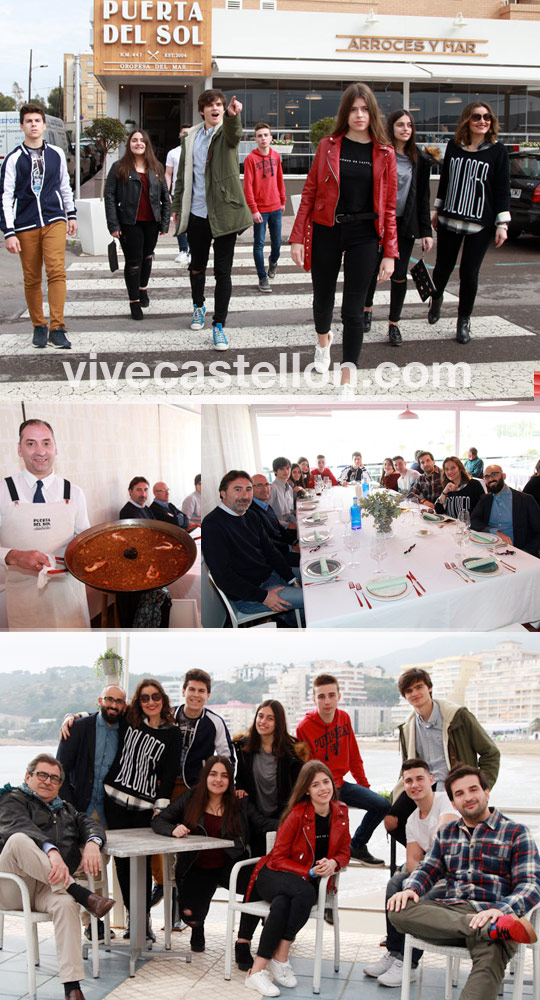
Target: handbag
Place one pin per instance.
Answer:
(422, 280)
(113, 255)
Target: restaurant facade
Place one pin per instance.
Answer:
(289, 66)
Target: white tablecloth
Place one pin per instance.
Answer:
(449, 603)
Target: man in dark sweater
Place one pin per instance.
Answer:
(239, 554)
(136, 505)
(282, 538)
(162, 510)
(513, 516)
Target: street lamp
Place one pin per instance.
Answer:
(41, 66)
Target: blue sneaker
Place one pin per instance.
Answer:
(220, 341)
(197, 320)
(58, 339)
(41, 334)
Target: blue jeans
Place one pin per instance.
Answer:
(183, 243)
(288, 593)
(259, 234)
(375, 805)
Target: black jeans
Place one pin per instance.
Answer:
(291, 899)
(138, 243)
(120, 818)
(197, 887)
(398, 281)
(474, 250)
(329, 245)
(200, 239)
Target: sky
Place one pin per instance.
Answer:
(48, 28)
(174, 653)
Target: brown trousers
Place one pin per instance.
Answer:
(21, 856)
(38, 246)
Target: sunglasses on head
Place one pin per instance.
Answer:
(477, 117)
(155, 696)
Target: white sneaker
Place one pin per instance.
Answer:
(282, 973)
(346, 390)
(261, 983)
(321, 362)
(377, 969)
(394, 975)
(183, 258)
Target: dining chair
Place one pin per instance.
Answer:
(241, 618)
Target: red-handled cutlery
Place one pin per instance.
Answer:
(413, 585)
(413, 578)
(359, 587)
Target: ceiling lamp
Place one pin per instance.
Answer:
(407, 414)
(371, 17)
(453, 99)
(459, 20)
(313, 96)
(292, 104)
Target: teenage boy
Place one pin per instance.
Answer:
(492, 871)
(171, 172)
(209, 204)
(433, 810)
(36, 206)
(264, 189)
(323, 471)
(329, 735)
(281, 492)
(441, 732)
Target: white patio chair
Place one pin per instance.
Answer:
(240, 618)
(31, 919)
(455, 954)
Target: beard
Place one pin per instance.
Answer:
(496, 487)
(109, 715)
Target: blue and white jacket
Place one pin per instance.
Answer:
(20, 207)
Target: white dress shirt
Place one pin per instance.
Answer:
(405, 482)
(53, 491)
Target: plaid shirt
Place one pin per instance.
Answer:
(497, 865)
(428, 487)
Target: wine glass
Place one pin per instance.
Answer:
(326, 482)
(318, 483)
(351, 541)
(345, 518)
(378, 550)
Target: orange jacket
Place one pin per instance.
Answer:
(294, 849)
(321, 194)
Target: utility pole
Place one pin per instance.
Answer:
(30, 78)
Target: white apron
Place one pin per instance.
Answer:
(47, 527)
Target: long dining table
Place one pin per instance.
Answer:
(437, 598)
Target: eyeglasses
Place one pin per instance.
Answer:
(155, 696)
(113, 701)
(54, 779)
(477, 117)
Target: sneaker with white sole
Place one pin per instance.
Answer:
(346, 391)
(264, 285)
(197, 320)
(394, 975)
(321, 362)
(57, 338)
(220, 340)
(272, 268)
(377, 969)
(183, 258)
(282, 973)
(261, 982)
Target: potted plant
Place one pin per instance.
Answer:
(285, 146)
(383, 508)
(325, 126)
(109, 666)
(108, 134)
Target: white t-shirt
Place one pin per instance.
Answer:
(405, 482)
(422, 831)
(173, 160)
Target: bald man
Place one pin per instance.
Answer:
(282, 538)
(162, 510)
(513, 516)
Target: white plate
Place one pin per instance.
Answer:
(433, 518)
(423, 533)
(314, 575)
(488, 540)
(319, 520)
(325, 534)
(306, 506)
(478, 572)
(387, 597)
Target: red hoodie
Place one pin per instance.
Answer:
(264, 187)
(333, 744)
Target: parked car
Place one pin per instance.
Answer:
(91, 152)
(525, 193)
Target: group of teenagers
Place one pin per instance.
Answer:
(269, 781)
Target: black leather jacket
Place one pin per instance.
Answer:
(122, 199)
(164, 823)
(67, 829)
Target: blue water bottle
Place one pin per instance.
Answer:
(365, 483)
(356, 514)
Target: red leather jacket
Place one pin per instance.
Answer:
(321, 194)
(294, 849)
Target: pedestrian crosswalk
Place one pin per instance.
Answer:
(271, 331)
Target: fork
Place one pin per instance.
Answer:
(458, 573)
(464, 571)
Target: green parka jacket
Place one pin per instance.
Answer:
(227, 208)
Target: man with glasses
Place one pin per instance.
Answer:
(44, 840)
(513, 516)
(162, 510)
(88, 754)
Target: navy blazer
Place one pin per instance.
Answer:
(76, 755)
(171, 515)
(525, 518)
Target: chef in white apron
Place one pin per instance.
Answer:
(40, 513)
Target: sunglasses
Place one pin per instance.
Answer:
(54, 779)
(155, 696)
(478, 117)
